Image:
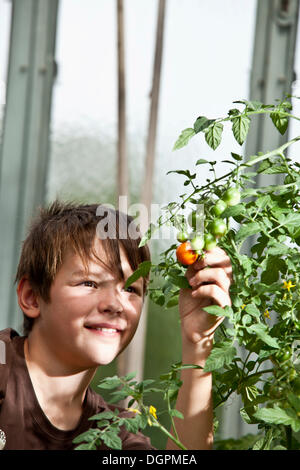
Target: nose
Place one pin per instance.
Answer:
(109, 301)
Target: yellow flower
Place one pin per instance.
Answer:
(288, 285)
(267, 314)
(152, 411)
(243, 306)
(134, 410)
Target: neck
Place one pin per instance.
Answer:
(59, 390)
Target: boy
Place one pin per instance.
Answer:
(78, 316)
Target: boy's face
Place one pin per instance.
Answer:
(90, 318)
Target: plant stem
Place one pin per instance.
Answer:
(288, 434)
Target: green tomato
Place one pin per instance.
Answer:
(296, 386)
(219, 207)
(197, 243)
(283, 356)
(292, 375)
(218, 228)
(232, 196)
(209, 242)
(182, 236)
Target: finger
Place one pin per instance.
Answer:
(214, 293)
(214, 258)
(212, 275)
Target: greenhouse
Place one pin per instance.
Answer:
(150, 225)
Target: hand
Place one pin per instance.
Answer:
(210, 279)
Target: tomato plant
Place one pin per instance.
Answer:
(255, 354)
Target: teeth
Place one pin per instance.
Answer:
(107, 330)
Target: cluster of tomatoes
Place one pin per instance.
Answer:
(192, 245)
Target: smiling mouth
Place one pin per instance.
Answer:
(103, 330)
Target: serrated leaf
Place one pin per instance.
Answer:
(240, 128)
(221, 354)
(213, 135)
(246, 230)
(109, 383)
(275, 415)
(132, 424)
(262, 332)
(103, 415)
(202, 123)
(233, 211)
(142, 271)
(112, 440)
(218, 311)
(280, 121)
(252, 310)
(184, 138)
(176, 414)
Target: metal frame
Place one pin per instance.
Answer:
(24, 151)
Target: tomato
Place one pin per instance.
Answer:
(283, 356)
(296, 386)
(185, 254)
(232, 196)
(197, 242)
(292, 375)
(182, 236)
(218, 228)
(195, 220)
(219, 207)
(209, 242)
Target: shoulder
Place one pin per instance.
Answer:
(8, 334)
(130, 440)
(6, 338)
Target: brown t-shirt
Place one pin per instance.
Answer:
(23, 421)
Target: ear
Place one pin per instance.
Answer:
(27, 299)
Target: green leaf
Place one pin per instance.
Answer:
(148, 234)
(219, 311)
(213, 135)
(201, 161)
(202, 123)
(111, 439)
(233, 211)
(132, 424)
(261, 331)
(103, 415)
(109, 383)
(184, 138)
(221, 354)
(141, 271)
(246, 230)
(276, 415)
(252, 310)
(173, 301)
(280, 121)
(179, 281)
(176, 414)
(240, 128)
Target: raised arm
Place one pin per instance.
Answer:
(210, 279)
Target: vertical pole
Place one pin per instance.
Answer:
(135, 353)
(24, 151)
(122, 154)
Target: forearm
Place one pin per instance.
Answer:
(194, 400)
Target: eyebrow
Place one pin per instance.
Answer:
(81, 272)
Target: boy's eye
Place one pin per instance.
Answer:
(89, 283)
(131, 287)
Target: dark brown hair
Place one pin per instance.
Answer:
(67, 225)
